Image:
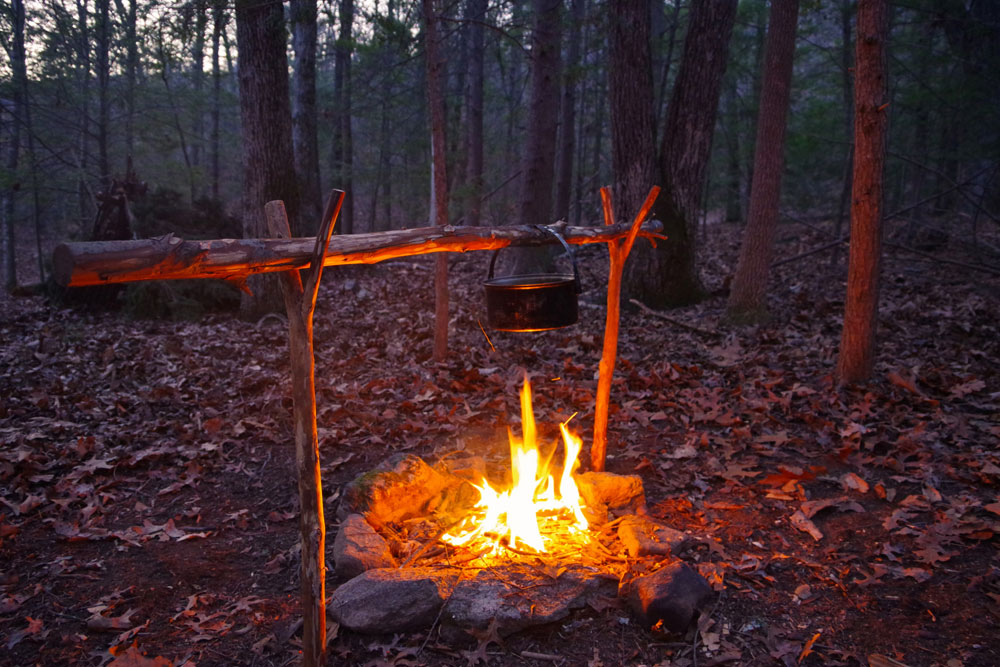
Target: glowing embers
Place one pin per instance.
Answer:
(534, 512)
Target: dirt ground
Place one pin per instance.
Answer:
(148, 497)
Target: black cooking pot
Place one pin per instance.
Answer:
(533, 301)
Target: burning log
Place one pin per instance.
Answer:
(172, 258)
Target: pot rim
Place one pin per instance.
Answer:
(530, 281)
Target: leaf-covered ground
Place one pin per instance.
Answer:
(148, 498)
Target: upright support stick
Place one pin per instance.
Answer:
(300, 303)
(618, 251)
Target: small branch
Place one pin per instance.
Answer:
(808, 253)
(944, 260)
(655, 313)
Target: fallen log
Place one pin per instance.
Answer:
(171, 258)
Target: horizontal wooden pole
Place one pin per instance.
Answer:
(172, 258)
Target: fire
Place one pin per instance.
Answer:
(514, 514)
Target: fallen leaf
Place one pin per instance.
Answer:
(800, 521)
(852, 482)
(133, 657)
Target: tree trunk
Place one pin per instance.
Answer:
(749, 288)
(667, 275)
(846, 13)
(567, 130)
(17, 58)
(474, 113)
(631, 95)
(84, 198)
(219, 21)
(856, 358)
(343, 150)
(439, 179)
(538, 170)
(198, 84)
(265, 112)
(103, 92)
(303, 15)
(129, 16)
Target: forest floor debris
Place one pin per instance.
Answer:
(148, 497)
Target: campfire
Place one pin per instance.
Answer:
(535, 509)
(446, 544)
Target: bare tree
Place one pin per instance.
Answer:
(343, 149)
(303, 14)
(749, 288)
(219, 21)
(856, 358)
(538, 167)
(567, 129)
(666, 275)
(265, 111)
(439, 178)
(633, 156)
(16, 54)
(476, 13)
(103, 66)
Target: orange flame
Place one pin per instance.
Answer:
(514, 513)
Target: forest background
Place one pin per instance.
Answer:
(86, 86)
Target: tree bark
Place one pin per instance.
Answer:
(538, 170)
(197, 84)
(303, 15)
(633, 157)
(18, 64)
(129, 17)
(103, 90)
(265, 111)
(567, 130)
(666, 275)
(439, 178)
(856, 358)
(84, 198)
(171, 258)
(343, 149)
(219, 20)
(749, 287)
(474, 113)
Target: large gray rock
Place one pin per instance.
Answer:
(520, 600)
(401, 487)
(392, 600)
(605, 492)
(673, 594)
(642, 536)
(357, 548)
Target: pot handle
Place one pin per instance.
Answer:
(569, 251)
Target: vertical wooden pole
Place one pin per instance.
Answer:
(618, 251)
(300, 303)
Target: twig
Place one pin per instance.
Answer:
(531, 655)
(944, 260)
(807, 253)
(666, 318)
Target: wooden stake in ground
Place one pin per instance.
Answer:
(300, 302)
(618, 252)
